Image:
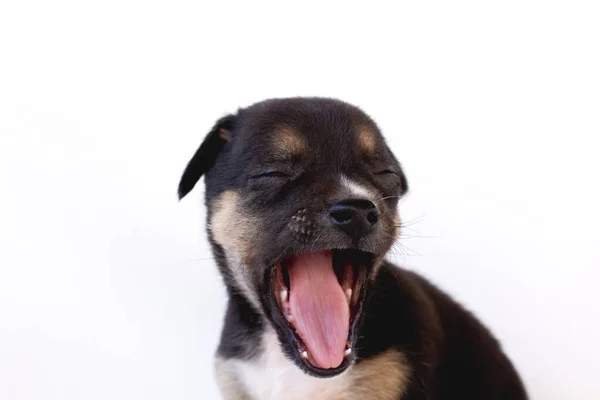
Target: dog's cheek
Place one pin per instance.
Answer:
(233, 229)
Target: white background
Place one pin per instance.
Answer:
(107, 288)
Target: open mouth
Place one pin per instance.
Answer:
(320, 296)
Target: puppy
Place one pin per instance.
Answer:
(302, 197)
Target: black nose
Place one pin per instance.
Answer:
(356, 217)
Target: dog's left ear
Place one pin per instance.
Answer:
(206, 155)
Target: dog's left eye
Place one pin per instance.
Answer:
(386, 172)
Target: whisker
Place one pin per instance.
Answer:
(386, 197)
(315, 241)
(412, 221)
(398, 250)
(407, 228)
(404, 198)
(409, 249)
(402, 236)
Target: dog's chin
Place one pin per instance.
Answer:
(315, 302)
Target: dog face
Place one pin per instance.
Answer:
(301, 196)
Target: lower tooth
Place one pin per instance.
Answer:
(290, 318)
(304, 354)
(284, 295)
(348, 294)
(347, 352)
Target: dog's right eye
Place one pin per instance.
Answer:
(269, 179)
(386, 172)
(270, 174)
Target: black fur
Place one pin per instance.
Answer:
(205, 156)
(451, 354)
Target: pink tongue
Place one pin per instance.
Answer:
(319, 307)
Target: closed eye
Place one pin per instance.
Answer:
(386, 172)
(271, 174)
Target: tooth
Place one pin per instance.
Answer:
(348, 294)
(304, 354)
(290, 318)
(284, 295)
(347, 352)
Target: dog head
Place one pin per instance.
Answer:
(302, 198)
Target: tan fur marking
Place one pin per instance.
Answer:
(225, 134)
(289, 142)
(367, 140)
(383, 377)
(231, 228)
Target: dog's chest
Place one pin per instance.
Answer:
(273, 376)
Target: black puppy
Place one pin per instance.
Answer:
(302, 198)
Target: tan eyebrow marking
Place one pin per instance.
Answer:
(289, 141)
(366, 139)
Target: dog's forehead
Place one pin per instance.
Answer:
(298, 129)
(296, 141)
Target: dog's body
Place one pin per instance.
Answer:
(302, 201)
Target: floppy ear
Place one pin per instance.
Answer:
(206, 155)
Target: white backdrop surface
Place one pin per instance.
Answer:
(107, 286)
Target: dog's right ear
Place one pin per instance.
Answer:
(206, 155)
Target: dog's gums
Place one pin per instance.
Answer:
(320, 295)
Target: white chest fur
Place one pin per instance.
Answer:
(272, 376)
